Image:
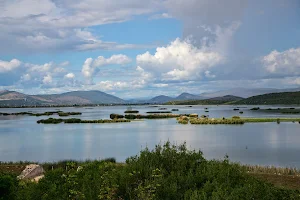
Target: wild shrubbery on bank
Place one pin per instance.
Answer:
(167, 172)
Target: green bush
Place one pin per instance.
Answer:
(166, 172)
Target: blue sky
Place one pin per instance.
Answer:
(136, 48)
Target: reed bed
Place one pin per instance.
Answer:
(60, 113)
(215, 121)
(79, 121)
(271, 170)
(254, 120)
(131, 111)
(153, 116)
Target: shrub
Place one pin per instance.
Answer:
(116, 116)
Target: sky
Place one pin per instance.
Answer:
(144, 48)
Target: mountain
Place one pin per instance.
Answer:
(12, 98)
(287, 98)
(212, 101)
(160, 99)
(246, 92)
(187, 96)
(84, 97)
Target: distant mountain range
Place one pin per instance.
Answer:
(246, 92)
(281, 98)
(12, 98)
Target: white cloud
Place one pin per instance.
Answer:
(26, 77)
(89, 67)
(45, 25)
(47, 79)
(161, 85)
(114, 59)
(70, 76)
(9, 66)
(180, 61)
(296, 81)
(286, 62)
(161, 16)
(209, 75)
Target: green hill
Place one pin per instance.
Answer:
(284, 98)
(212, 101)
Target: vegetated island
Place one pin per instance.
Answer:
(79, 121)
(60, 113)
(167, 172)
(234, 120)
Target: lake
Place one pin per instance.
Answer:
(21, 138)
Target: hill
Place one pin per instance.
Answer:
(160, 99)
(212, 101)
(284, 98)
(246, 92)
(187, 96)
(12, 98)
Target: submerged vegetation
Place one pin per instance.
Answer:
(281, 110)
(167, 172)
(75, 121)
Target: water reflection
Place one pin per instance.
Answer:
(265, 143)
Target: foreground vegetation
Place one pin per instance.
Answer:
(167, 172)
(79, 121)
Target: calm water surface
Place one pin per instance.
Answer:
(21, 138)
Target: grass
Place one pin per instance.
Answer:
(76, 121)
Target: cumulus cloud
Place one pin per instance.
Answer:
(70, 76)
(285, 63)
(47, 79)
(90, 66)
(180, 61)
(6, 66)
(45, 25)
